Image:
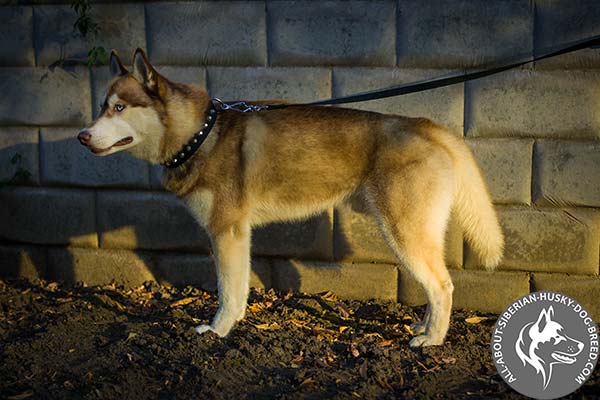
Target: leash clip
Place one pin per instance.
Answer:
(241, 106)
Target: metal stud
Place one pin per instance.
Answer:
(174, 161)
(205, 125)
(188, 148)
(209, 117)
(195, 140)
(182, 155)
(200, 133)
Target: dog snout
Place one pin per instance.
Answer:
(84, 137)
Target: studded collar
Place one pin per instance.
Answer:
(196, 141)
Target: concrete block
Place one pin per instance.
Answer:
(101, 79)
(200, 33)
(473, 290)
(584, 289)
(16, 36)
(121, 28)
(506, 168)
(350, 281)
(194, 269)
(100, 267)
(456, 34)
(567, 173)
(21, 142)
(147, 220)
(551, 104)
(548, 240)
(48, 216)
(22, 261)
(443, 105)
(39, 96)
(332, 33)
(292, 84)
(561, 22)
(311, 239)
(357, 238)
(66, 162)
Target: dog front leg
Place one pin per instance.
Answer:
(232, 258)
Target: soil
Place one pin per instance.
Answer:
(117, 343)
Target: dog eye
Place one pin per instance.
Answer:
(119, 107)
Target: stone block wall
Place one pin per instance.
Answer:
(535, 133)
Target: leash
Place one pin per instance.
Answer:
(217, 106)
(414, 87)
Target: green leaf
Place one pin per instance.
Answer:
(16, 158)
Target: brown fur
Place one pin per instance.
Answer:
(285, 164)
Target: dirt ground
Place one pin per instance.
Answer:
(113, 343)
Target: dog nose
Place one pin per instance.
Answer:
(84, 137)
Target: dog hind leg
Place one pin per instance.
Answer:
(232, 256)
(413, 209)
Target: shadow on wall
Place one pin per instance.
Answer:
(79, 217)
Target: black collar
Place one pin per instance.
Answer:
(199, 137)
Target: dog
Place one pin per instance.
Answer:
(289, 164)
(543, 344)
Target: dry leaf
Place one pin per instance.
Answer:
(342, 309)
(386, 343)
(354, 351)
(308, 381)
(298, 323)
(343, 328)
(362, 370)
(63, 300)
(256, 308)
(268, 327)
(449, 360)
(475, 320)
(329, 296)
(183, 301)
(383, 383)
(24, 395)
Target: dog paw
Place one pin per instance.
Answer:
(418, 328)
(425, 340)
(200, 329)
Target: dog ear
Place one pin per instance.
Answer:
(544, 318)
(144, 72)
(116, 66)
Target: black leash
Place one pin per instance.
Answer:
(415, 86)
(217, 106)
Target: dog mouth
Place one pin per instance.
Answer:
(563, 358)
(123, 142)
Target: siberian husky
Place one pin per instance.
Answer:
(288, 164)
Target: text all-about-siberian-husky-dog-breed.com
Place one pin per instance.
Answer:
(291, 163)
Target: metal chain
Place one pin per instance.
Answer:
(241, 106)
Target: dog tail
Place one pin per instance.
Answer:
(474, 209)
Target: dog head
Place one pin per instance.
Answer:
(132, 111)
(544, 343)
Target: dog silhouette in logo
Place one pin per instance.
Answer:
(544, 343)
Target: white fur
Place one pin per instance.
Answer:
(200, 203)
(108, 131)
